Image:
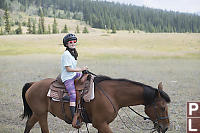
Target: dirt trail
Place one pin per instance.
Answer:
(180, 78)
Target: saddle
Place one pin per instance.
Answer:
(83, 86)
(59, 92)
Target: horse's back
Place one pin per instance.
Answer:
(41, 86)
(36, 95)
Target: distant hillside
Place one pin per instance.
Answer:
(102, 14)
(198, 13)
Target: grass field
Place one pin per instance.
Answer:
(99, 44)
(144, 57)
(102, 45)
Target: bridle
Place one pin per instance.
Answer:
(145, 118)
(158, 118)
(156, 121)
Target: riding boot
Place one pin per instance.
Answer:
(73, 109)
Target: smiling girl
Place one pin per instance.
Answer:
(69, 71)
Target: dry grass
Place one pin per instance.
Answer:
(179, 77)
(99, 44)
(102, 45)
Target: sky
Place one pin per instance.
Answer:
(189, 6)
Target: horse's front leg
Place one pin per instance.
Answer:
(103, 128)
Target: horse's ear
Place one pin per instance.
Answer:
(157, 93)
(160, 86)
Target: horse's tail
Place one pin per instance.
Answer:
(27, 110)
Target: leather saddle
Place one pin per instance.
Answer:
(58, 90)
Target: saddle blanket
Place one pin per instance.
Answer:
(87, 97)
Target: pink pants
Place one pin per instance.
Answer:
(70, 87)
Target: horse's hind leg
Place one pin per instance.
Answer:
(43, 123)
(30, 123)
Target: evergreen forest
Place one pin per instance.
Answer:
(109, 15)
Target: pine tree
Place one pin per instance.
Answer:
(34, 28)
(19, 29)
(7, 22)
(54, 26)
(42, 21)
(49, 29)
(68, 15)
(29, 26)
(77, 29)
(39, 28)
(2, 4)
(65, 30)
(113, 29)
(1, 32)
(85, 30)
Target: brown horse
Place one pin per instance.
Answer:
(110, 96)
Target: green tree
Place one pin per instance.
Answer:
(85, 30)
(54, 26)
(68, 15)
(42, 21)
(77, 29)
(29, 26)
(49, 29)
(114, 29)
(7, 21)
(19, 29)
(65, 30)
(39, 28)
(34, 28)
(1, 31)
(2, 4)
(1, 21)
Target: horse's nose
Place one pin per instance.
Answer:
(164, 129)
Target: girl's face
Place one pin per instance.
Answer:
(72, 44)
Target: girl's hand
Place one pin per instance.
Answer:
(84, 68)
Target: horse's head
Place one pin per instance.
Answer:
(158, 110)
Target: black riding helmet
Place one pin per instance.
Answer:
(68, 37)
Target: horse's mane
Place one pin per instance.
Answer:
(149, 92)
(100, 78)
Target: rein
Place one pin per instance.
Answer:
(145, 118)
(88, 72)
(133, 123)
(115, 110)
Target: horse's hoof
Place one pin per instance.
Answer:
(77, 125)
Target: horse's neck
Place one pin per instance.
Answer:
(128, 94)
